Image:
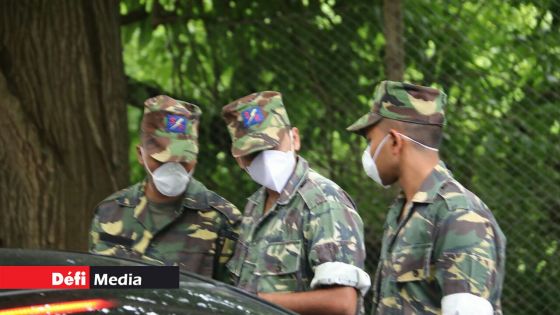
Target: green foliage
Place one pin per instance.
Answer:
(134, 117)
(498, 62)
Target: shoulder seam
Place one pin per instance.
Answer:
(230, 217)
(308, 181)
(112, 198)
(458, 185)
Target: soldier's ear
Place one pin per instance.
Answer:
(139, 154)
(296, 139)
(396, 142)
(190, 166)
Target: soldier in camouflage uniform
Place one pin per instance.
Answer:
(301, 240)
(442, 250)
(170, 217)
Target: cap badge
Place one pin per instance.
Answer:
(176, 124)
(252, 116)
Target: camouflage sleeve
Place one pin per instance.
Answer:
(94, 233)
(96, 243)
(336, 249)
(465, 254)
(96, 246)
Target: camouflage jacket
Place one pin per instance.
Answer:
(447, 242)
(203, 225)
(313, 222)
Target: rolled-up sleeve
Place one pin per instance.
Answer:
(336, 247)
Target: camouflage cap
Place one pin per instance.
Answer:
(405, 102)
(256, 122)
(170, 129)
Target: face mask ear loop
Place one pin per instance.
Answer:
(191, 172)
(421, 144)
(378, 149)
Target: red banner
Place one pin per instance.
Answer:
(44, 277)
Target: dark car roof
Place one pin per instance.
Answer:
(196, 295)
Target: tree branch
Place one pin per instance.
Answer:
(158, 15)
(138, 92)
(133, 17)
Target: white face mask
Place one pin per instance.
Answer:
(368, 162)
(273, 168)
(171, 178)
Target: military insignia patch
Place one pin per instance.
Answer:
(252, 116)
(176, 124)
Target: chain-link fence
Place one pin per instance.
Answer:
(498, 62)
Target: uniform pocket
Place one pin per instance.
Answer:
(412, 263)
(280, 258)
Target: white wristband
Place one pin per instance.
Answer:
(465, 304)
(338, 273)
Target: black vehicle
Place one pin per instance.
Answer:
(196, 294)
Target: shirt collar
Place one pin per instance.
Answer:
(196, 196)
(258, 195)
(432, 184)
(298, 177)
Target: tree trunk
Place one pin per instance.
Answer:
(394, 47)
(63, 126)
